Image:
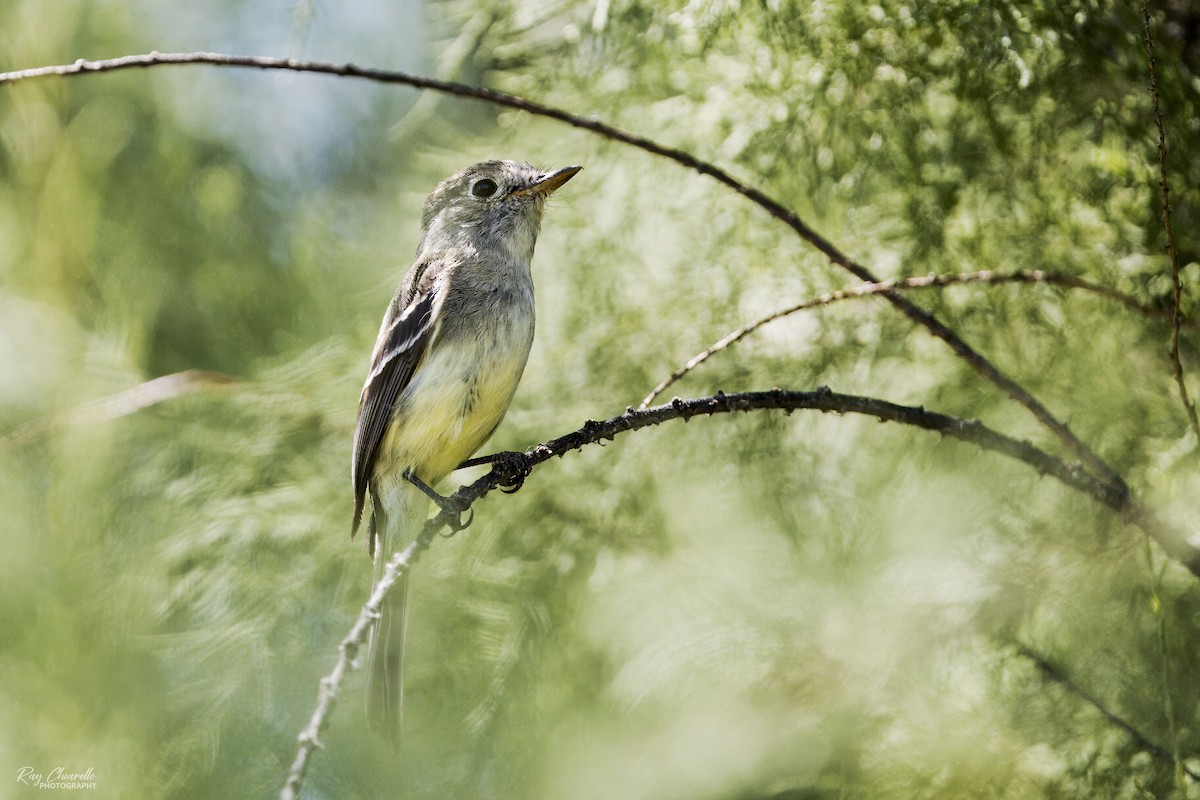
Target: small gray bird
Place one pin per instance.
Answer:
(450, 352)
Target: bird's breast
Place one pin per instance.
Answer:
(462, 389)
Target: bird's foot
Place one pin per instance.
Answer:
(448, 505)
(509, 467)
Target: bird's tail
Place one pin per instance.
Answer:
(392, 529)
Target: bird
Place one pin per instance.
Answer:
(451, 350)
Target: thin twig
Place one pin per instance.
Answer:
(922, 282)
(513, 470)
(331, 684)
(773, 207)
(1058, 676)
(1164, 195)
(132, 400)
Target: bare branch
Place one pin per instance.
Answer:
(1056, 674)
(773, 207)
(144, 395)
(923, 282)
(331, 684)
(512, 470)
(1164, 194)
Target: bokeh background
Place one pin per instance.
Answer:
(759, 606)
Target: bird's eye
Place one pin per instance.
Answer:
(485, 187)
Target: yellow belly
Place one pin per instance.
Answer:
(452, 404)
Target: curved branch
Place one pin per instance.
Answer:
(773, 207)
(513, 469)
(922, 282)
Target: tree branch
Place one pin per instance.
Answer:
(331, 684)
(773, 207)
(923, 282)
(1164, 195)
(1058, 676)
(145, 394)
(513, 469)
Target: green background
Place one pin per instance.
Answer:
(751, 606)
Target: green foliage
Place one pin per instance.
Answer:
(760, 606)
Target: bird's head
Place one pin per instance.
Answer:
(491, 205)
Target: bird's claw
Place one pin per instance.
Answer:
(459, 525)
(446, 504)
(511, 469)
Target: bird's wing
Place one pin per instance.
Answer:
(401, 346)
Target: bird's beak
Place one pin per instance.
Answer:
(548, 182)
